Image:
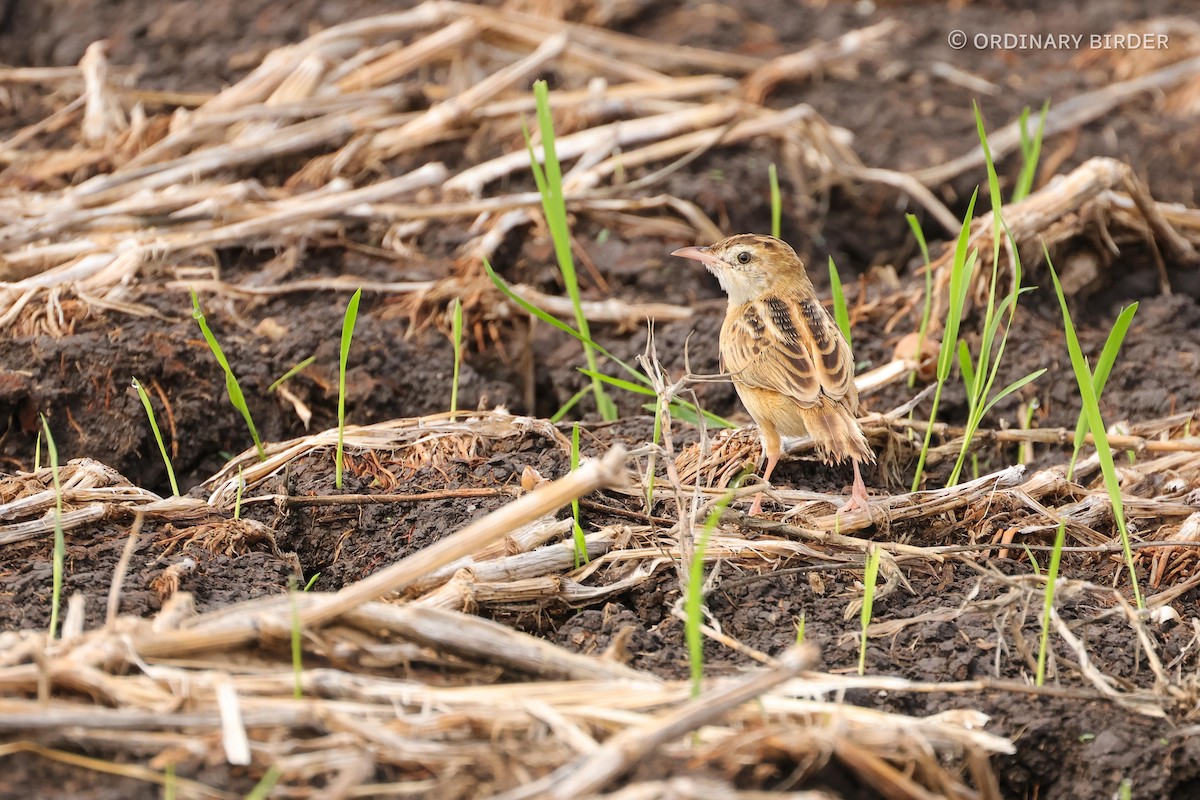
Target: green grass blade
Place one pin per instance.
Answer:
(262, 789)
(841, 314)
(985, 349)
(967, 369)
(456, 332)
(348, 321)
(694, 600)
(213, 345)
(555, 322)
(1033, 562)
(961, 269)
(776, 201)
(567, 406)
(1104, 365)
(234, 390)
(60, 542)
(1031, 151)
(1087, 391)
(687, 412)
(236, 398)
(1048, 600)
(993, 184)
(297, 649)
(1012, 387)
(291, 373)
(870, 576)
(581, 554)
(1007, 305)
(927, 308)
(619, 383)
(593, 373)
(162, 447)
(960, 278)
(682, 409)
(549, 183)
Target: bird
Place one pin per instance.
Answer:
(792, 367)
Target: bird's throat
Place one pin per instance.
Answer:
(741, 287)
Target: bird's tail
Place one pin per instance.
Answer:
(837, 434)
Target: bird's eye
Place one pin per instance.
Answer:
(744, 257)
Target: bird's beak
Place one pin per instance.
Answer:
(700, 254)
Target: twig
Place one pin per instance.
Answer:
(800, 65)
(114, 591)
(595, 770)
(1064, 116)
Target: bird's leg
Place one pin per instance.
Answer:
(858, 495)
(773, 447)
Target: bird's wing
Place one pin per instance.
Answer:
(791, 346)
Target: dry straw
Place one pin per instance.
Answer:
(483, 708)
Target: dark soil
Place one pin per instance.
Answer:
(901, 115)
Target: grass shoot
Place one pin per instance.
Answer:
(581, 554)
(961, 270)
(979, 377)
(291, 373)
(1104, 365)
(348, 321)
(297, 649)
(554, 206)
(262, 789)
(162, 447)
(870, 576)
(841, 314)
(693, 602)
(1091, 406)
(776, 201)
(60, 542)
(236, 398)
(573, 401)
(1048, 599)
(1033, 562)
(237, 498)
(456, 335)
(1031, 151)
(927, 308)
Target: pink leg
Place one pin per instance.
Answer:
(858, 495)
(772, 460)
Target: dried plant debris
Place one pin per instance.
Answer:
(142, 190)
(597, 715)
(442, 626)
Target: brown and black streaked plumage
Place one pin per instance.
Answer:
(787, 358)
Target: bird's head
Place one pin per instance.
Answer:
(750, 265)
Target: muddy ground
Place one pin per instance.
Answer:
(901, 114)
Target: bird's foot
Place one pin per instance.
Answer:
(858, 500)
(756, 508)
